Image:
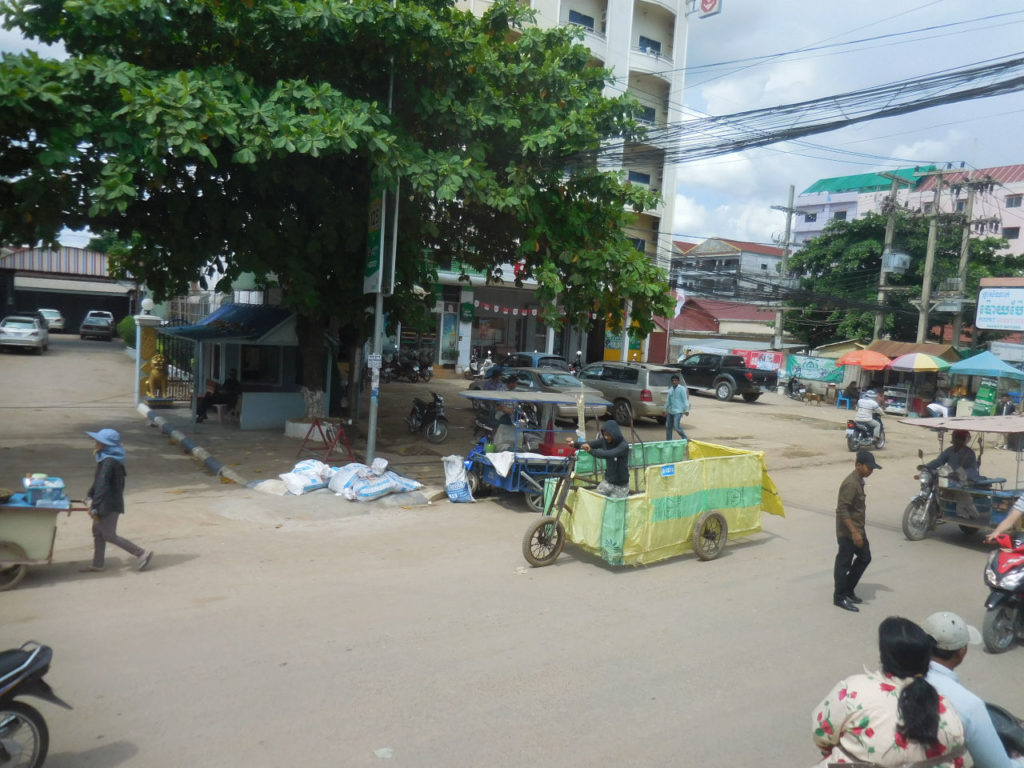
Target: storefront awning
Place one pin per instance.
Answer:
(241, 322)
(62, 285)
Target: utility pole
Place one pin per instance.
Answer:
(929, 265)
(789, 210)
(890, 230)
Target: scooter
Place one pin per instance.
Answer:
(858, 436)
(24, 737)
(430, 417)
(1004, 575)
(477, 368)
(408, 368)
(576, 365)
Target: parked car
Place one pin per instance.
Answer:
(636, 390)
(726, 375)
(534, 360)
(550, 380)
(98, 325)
(54, 319)
(24, 331)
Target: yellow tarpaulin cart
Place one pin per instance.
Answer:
(685, 495)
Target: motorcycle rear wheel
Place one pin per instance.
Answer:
(851, 443)
(543, 542)
(24, 738)
(436, 431)
(915, 520)
(1000, 628)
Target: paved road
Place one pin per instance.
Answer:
(263, 636)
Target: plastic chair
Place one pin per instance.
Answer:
(841, 399)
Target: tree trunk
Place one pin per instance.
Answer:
(313, 360)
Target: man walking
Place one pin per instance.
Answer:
(854, 553)
(952, 635)
(677, 405)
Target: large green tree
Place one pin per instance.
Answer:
(837, 274)
(252, 133)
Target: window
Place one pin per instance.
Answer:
(839, 216)
(764, 267)
(636, 177)
(809, 217)
(648, 115)
(649, 46)
(639, 243)
(1011, 233)
(926, 208)
(575, 17)
(1013, 201)
(260, 364)
(960, 205)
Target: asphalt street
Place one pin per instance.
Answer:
(277, 631)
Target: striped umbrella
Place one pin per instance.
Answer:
(919, 361)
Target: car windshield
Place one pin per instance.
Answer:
(559, 380)
(660, 378)
(49, 313)
(98, 320)
(18, 322)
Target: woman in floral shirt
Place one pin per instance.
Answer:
(892, 717)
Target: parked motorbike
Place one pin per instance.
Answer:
(426, 366)
(858, 436)
(576, 365)
(407, 367)
(1004, 575)
(430, 417)
(24, 737)
(477, 368)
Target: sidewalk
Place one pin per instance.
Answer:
(255, 458)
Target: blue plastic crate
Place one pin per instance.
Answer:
(44, 489)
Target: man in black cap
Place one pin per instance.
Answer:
(854, 552)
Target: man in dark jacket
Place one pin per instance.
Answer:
(105, 499)
(613, 448)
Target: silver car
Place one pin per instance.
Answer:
(636, 390)
(21, 331)
(54, 319)
(551, 380)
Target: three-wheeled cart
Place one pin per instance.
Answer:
(945, 499)
(27, 534)
(520, 457)
(685, 496)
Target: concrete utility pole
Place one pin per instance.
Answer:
(890, 229)
(929, 265)
(789, 210)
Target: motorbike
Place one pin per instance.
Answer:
(477, 368)
(426, 366)
(858, 436)
(1004, 608)
(797, 393)
(576, 365)
(430, 417)
(408, 368)
(24, 737)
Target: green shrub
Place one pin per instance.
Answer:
(126, 330)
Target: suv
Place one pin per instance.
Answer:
(635, 390)
(534, 360)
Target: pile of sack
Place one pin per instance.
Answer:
(355, 481)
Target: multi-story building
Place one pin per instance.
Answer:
(997, 210)
(727, 269)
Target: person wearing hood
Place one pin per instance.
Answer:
(613, 448)
(105, 499)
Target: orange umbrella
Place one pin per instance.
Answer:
(866, 359)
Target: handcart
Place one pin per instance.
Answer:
(521, 456)
(686, 495)
(943, 498)
(28, 529)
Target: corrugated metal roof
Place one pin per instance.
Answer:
(862, 182)
(894, 349)
(1004, 174)
(730, 310)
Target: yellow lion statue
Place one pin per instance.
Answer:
(156, 382)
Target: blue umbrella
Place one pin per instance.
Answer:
(985, 364)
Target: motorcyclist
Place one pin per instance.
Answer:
(960, 457)
(868, 405)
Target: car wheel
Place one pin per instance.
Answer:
(622, 412)
(724, 390)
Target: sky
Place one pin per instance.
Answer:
(731, 196)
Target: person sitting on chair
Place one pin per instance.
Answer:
(226, 394)
(852, 392)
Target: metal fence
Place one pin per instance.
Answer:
(181, 363)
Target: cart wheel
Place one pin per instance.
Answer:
(915, 520)
(11, 575)
(710, 535)
(543, 541)
(474, 482)
(534, 500)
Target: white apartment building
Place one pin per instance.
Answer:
(643, 42)
(998, 209)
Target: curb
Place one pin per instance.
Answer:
(225, 473)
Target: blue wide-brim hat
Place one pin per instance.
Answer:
(108, 437)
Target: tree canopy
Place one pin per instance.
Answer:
(253, 132)
(838, 273)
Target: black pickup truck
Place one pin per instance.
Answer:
(726, 375)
